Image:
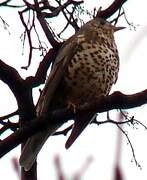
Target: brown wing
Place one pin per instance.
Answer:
(65, 54)
(35, 143)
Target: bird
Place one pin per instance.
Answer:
(84, 70)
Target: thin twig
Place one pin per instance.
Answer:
(132, 149)
(64, 132)
(9, 115)
(5, 3)
(111, 121)
(131, 25)
(28, 32)
(132, 120)
(70, 20)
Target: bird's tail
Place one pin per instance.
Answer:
(35, 143)
(79, 125)
(33, 147)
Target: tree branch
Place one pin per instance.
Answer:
(115, 101)
(116, 5)
(40, 75)
(19, 88)
(61, 7)
(28, 32)
(9, 115)
(11, 77)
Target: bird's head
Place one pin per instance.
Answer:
(105, 25)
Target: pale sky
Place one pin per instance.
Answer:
(98, 142)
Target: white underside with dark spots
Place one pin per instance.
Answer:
(92, 72)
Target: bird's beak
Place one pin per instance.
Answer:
(118, 28)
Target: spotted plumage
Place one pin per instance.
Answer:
(94, 67)
(86, 68)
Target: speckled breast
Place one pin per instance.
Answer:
(92, 71)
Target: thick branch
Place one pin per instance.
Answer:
(19, 88)
(11, 77)
(115, 101)
(40, 75)
(23, 95)
(46, 30)
(116, 5)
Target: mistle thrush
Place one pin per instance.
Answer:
(85, 69)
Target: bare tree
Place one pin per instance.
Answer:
(41, 12)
